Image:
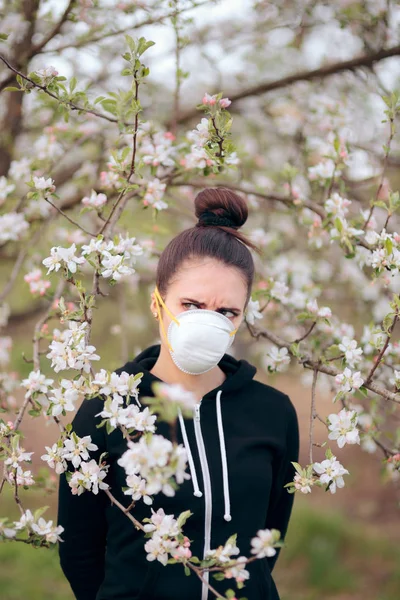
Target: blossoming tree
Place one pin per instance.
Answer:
(80, 153)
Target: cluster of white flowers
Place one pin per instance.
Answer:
(17, 455)
(157, 461)
(154, 194)
(5, 188)
(158, 149)
(279, 291)
(386, 256)
(111, 383)
(46, 74)
(37, 285)
(323, 170)
(253, 311)
(262, 544)
(130, 416)
(68, 350)
(117, 259)
(277, 359)
(337, 206)
(47, 147)
(36, 383)
(351, 351)
(89, 477)
(73, 449)
(348, 380)
(20, 170)
(223, 555)
(302, 483)
(166, 538)
(9, 382)
(39, 526)
(343, 427)
(5, 348)
(94, 200)
(63, 257)
(44, 186)
(331, 472)
(12, 227)
(313, 308)
(176, 393)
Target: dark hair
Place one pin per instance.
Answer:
(219, 241)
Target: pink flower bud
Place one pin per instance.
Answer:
(225, 102)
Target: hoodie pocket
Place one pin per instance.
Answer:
(149, 581)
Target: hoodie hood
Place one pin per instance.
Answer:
(239, 372)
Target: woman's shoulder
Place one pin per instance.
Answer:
(268, 399)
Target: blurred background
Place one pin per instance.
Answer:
(298, 73)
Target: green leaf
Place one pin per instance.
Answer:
(12, 89)
(72, 84)
(3, 37)
(187, 571)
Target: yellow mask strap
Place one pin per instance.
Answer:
(158, 300)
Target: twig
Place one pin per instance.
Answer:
(136, 523)
(69, 218)
(71, 105)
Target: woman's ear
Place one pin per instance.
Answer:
(153, 305)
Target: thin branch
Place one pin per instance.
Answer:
(365, 60)
(104, 36)
(38, 48)
(69, 218)
(71, 105)
(309, 363)
(312, 413)
(136, 523)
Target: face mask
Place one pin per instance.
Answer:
(197, 339)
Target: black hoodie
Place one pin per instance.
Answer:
(241, 459)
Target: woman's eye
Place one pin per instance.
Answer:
(229, 315)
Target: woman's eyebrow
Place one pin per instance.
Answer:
(203, 304)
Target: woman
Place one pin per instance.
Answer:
(240, 443)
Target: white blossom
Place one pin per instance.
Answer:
(331, 472)
(55, 458)
(77, 449)
(253, 311)
(175, 392)
(343, 428)
(89, 477)
(352, 353)
(12, 227)
(349, 380)
(94, 200)
(36, 382)
(277, 359)
(5, 188)
(63, 256)
(157, 461)
(262, 544)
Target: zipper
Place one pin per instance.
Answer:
(207, 492)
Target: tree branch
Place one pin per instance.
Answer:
(365, 60)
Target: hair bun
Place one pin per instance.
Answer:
(221, 207)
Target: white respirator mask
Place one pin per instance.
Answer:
(197, 339)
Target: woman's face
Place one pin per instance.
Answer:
(208, 284)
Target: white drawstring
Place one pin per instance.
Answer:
(197, 491)
(227, 515)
